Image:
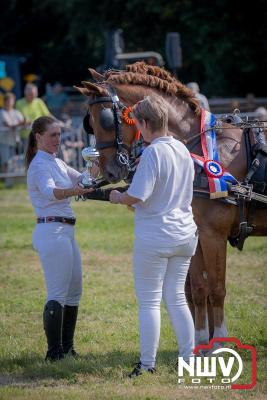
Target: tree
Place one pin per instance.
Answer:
(222, 51)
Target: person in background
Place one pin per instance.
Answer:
(165, 232)
(9, 116)
(51, 184)
(10, 120)
(31, 107)
(200, 97)
(57, 100)
(261, 115)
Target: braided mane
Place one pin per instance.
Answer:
(154, 77)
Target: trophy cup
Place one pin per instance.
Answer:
(89, 154)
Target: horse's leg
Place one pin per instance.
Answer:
(199, 288)
(188, 294)
(207, 271)
(189, 298)
(210, 319)
(214, 254)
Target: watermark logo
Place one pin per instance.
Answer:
(218, 363)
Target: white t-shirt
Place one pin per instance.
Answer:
(10, 118)
(164, 182)
(46, 173)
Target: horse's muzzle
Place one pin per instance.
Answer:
(115, 173)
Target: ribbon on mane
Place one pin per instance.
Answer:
(216, 174)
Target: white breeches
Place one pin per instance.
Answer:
(61, 261)
(161, 273)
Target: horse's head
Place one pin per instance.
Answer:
(108, 111)
(110, 121)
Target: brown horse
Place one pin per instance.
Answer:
(205, 288)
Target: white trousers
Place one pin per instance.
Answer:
(161, 273)
(61, 261)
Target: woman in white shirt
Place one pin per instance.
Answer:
(51, 184)
(165, 233)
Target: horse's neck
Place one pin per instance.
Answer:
(183, 123)
(186, 125)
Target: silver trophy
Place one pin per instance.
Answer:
(89, 154)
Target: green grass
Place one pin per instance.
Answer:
(107, 331)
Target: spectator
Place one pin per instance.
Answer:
(57, 100)
(71, 146)
(261, 114)
(10, 119)
(31, 108)
(200, 97)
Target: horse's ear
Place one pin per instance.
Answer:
(96, 75)
(95, 89)
(83, 91)
(91, 89)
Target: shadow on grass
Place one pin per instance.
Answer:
(30, 367)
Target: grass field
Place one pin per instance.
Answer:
(107, 332)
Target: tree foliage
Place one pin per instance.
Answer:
(222, 48)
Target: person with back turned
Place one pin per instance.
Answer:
(165, 232)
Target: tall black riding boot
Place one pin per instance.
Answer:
(69, 323)
(53, 319)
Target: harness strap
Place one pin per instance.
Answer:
(245, 224)
(248, 147)
(104, 99)
(105, 145)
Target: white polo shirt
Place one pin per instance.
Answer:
(164, 182)
(45, 173)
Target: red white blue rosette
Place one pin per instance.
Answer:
(213, 169)
(217, 176)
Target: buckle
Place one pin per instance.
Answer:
(50, 219)
(115, 99)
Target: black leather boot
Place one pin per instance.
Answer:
(53, 319)
(69, 323)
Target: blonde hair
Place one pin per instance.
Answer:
(153, 110)
(9, 95)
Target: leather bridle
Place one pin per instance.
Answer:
(123, 151)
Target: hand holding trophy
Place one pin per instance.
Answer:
(89, 154)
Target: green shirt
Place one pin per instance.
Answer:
(37, 108)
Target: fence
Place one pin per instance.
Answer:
(246, 104)
(12, 151)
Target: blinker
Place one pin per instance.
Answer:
(106, 119)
